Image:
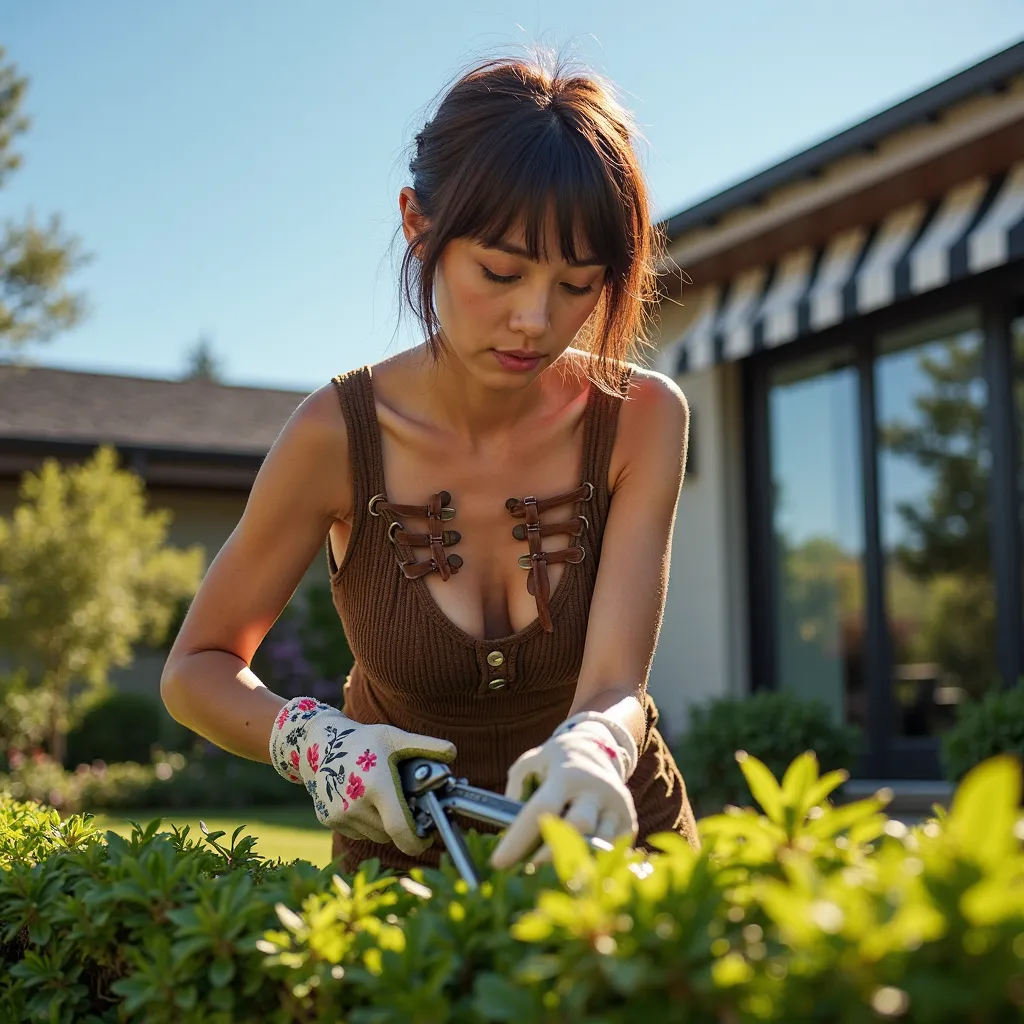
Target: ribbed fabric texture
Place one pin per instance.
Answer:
(417, 670)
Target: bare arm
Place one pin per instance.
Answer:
(629, 597)
(304, 485)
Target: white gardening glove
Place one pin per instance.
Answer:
(351, 770)
(585, 765)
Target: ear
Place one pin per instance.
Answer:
(414, 223)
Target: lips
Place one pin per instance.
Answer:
(517, 360)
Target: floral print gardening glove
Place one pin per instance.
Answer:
(351, 770)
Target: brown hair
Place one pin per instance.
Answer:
(507, 139)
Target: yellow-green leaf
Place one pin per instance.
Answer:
(800, 776)
(985, 808)
(763, 786)
(570, 853)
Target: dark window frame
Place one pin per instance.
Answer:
(996, 295)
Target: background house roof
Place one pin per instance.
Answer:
(49, 405)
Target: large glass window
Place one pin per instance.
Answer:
(933, 463)
(1017, 340)
(817, 521)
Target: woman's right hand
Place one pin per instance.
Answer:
(351, 770)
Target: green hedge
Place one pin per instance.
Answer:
(773, 726)
(122, 727)
(984, 728)
(170, 781)
(798, 912)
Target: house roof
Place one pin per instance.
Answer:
(40, 404)
(988, 75)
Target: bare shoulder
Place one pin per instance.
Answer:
(653, 427)
(312, 451)
(656, 402)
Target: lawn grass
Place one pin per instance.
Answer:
(285, 832)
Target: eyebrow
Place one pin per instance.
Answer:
(515, 250)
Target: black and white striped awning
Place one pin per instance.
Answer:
(976, 226)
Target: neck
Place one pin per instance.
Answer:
(457, 402)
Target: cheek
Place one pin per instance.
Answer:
(461, 297)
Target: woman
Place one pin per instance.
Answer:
(521, 435)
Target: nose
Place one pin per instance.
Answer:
(530, 314)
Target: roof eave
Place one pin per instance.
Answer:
(989, 75)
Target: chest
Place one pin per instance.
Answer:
(488, 596)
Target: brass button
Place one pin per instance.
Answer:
(495, 658)
(495, 684)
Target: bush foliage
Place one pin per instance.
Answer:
(984, 728)
(122, 727)
(796, 911)
(86, 574)
(168, 781)
(773, 726)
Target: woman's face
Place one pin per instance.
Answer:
(495, 302)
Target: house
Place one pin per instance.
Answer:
(851, 343)
(198, 446)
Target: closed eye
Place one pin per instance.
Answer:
(499, 279)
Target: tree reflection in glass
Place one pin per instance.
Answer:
(818, 532)
(934, 461)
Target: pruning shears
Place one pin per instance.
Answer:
(434, 793)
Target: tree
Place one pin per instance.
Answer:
(201, 363)
(947, 545)
(85, 574)
(35, 260)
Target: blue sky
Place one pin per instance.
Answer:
(234, 167)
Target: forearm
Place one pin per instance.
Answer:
(620, 704)
(218, 696)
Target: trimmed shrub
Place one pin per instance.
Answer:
(773, 726)
(984, 728)
(123, 727)
(798, 911)
(170, 781)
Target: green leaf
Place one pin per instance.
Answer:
(801, 774)
(821, 789)
(186, 998)
(847, 816)
(532, 927)
(763, 786)
(570, 853)
(985, 808)
(730, 970)
(221, 973)
(495, 998)
(997, 898)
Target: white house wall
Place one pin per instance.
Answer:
(702, 649)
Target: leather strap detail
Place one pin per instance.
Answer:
(539, 569)
(414, 511)
(437, 554)
(574, 527)
(571, 555)
(538, 583)
(517, 507)
(414, 570)
(436, 511)
(422, 540)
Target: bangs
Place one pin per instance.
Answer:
(539, 170)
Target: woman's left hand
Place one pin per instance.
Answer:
(584, 769)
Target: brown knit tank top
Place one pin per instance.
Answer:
(417, 670)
